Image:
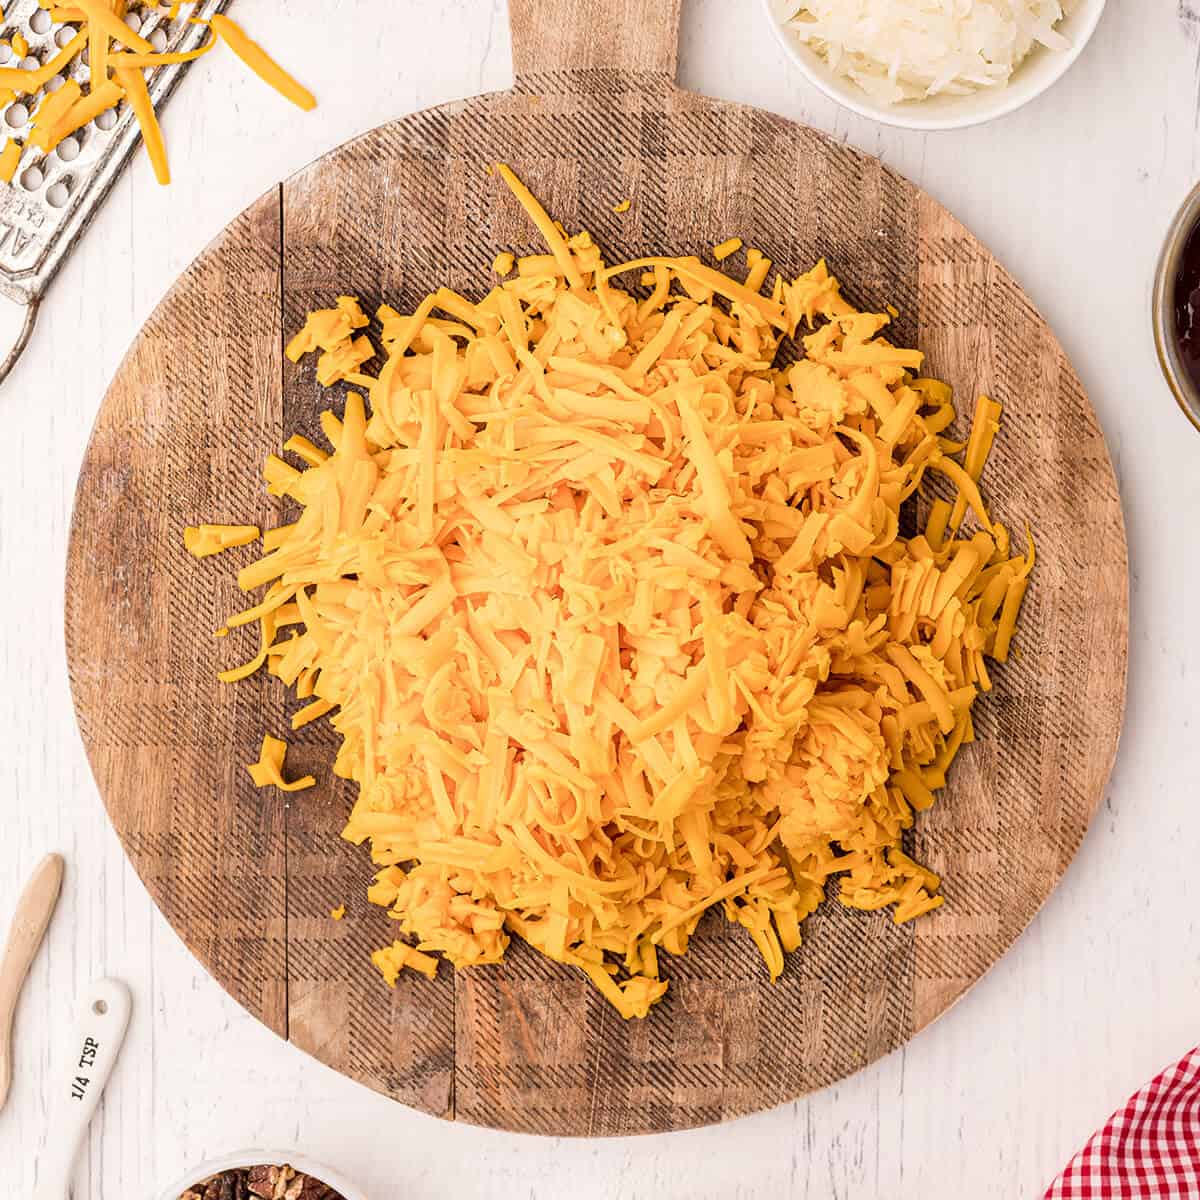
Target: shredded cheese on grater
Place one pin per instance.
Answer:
(118, 59)
(614, 616)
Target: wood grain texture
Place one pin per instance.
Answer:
(528, 1045)
(631, 36)
(187, 414)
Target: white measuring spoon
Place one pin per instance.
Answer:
(78, 1078)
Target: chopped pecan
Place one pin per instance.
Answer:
(261, 1181)
(264, 1182)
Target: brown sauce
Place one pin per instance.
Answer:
(1187, 306)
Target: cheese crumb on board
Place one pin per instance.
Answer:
(268, 771)
(203, 540)
(725, 249)
(623, 206)
(338, 913)
(392, 960)
(615, 618)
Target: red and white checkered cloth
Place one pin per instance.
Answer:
(1149, 1150)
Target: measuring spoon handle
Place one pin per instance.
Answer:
(78, 1076)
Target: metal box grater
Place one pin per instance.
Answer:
(53, 197)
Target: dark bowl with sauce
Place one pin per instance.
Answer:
(1177, 308)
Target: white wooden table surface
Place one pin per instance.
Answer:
(1073, 193)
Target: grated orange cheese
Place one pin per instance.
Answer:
(134, 86)
(614, 617)
(261, 63)
(392, 960)
(118, 74)
(10, 158)
(203, 540)
(268, 771)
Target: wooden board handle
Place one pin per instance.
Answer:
(637, 36)
(32, 916)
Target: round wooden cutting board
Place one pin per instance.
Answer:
(248, 877)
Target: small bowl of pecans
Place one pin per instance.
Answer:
(256, 1175)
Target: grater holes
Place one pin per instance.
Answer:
(54, 83)
(158, 39)
(32, 178)
(134, 21)
(68, 149)
(30, 63)
(17, 115)
(5, 52)
(106, 120)
(59, 192)
(40, 21)
(64, 34)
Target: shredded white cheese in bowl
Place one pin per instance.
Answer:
(934, 63)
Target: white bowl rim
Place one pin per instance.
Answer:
(254, 1158)
(1006, 100)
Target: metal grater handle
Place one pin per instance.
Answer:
(20, 320)
(53, 198)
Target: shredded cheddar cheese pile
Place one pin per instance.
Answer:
(614, 617)
(118, 59)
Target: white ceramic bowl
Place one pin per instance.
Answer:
(254, 1158)
(1037, 73)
